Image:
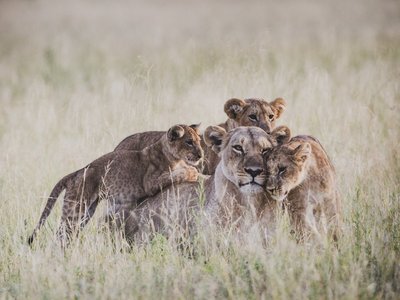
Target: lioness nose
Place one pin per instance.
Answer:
(253, 171)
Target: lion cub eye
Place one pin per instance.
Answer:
(189, 142)
(271, 117)
(281, 170)
(253, 117)
(238, 148)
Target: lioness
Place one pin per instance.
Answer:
(300, 174)
(124, 178)
(248, 112)
(238, 183)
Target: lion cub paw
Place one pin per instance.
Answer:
(191, 174)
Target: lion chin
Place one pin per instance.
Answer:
(251, 189)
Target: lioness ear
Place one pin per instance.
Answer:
(234, 107)
(213, 137)
(175, 132)
(281, 134)
(195, 127)
(302, 152)
(279, 106)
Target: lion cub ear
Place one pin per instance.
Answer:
(281, 134)
(195, 127)
(279, 106)
(234, 107)
(175, 132)
(302, 152)
(213, 137)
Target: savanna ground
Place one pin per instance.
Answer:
(77, 77)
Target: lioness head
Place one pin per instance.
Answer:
(184, 143)
(241, 152)
(285, 166)
(255, 112)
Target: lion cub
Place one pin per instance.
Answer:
(300, 174)
(124, 178)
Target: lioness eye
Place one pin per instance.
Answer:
(253, 117)
(189, 142)
(271, 117)
(282, 170)
(238, 148)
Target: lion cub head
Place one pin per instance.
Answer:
(183, 143)
(286, 168)
(255, 112)
(241, 152)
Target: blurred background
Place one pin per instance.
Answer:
(141, 26)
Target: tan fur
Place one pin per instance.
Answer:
(300, 174)
(237, 183)
(138, 141)
(174, 209)
(125, 178)
(248, 112)
(253, 112)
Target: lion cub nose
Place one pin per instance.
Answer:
(253, 171)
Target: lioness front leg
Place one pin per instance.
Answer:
(183, 174)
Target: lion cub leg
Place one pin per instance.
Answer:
(312, 222)
(332, 211)
(179, 175)
(302, 218)
(78, 208)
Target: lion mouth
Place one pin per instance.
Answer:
(251, 187)
(250, 183)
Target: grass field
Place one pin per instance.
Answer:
(77, 77)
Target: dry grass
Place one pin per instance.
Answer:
(76, 78)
